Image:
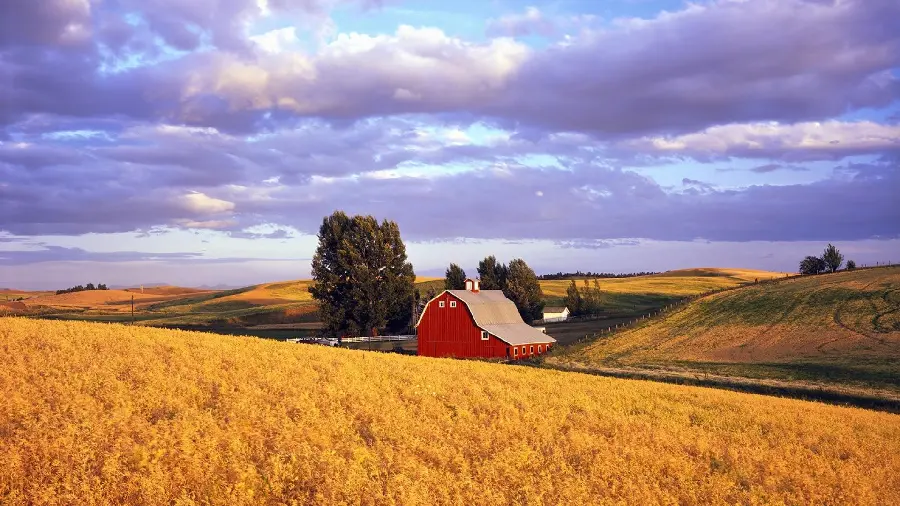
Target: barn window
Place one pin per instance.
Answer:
(515, 351)
(441, 303)
(531, 351)
(452, 303)
(540, 348)
(484, 335)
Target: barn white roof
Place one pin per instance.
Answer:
(493, 312)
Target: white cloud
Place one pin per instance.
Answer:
(277, 41)
(526, 23)
(533, 21)
(421, 67)
(208, 224)
(201, 203)
(810, 140)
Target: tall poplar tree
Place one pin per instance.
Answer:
(362, 279)
(455, 278)
(492, 274)
(524, 289)
(832, 258)
(574, 301)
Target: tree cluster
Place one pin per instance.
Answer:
(362, 279)
(830, 261)
(579, 275)
(583, 301)
(82, 288)
(517, 281)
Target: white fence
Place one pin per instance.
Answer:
(366, 339)
(330, 341)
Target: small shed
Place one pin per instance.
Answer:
(475, 323)
(556, 314)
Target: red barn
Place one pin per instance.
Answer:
(478, 323)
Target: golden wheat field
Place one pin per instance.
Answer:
(844, 325)
(673, 283)
(112, 414)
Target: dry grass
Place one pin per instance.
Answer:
(673, 283)
(844, 325)
(12, 293)
(91, 298)
(111, 301)
(12, 307)
(268, 294)
(167, 417)
(169, 290)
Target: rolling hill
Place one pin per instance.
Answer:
(275, 303)
(641, 292)
(114, 300)
(170, 417)
(286, 303)
(835, 328)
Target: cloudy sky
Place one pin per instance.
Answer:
(203, 141)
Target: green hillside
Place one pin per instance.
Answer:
(841, 328)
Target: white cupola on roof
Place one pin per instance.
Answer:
(472, 285)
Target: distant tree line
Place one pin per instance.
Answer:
(830, 261)
(579, 274)
(82, 288)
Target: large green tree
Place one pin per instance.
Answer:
(832, 258)
(812, 265)
(455, 278)
(593, 301)
(524, 289)
(492, 274)
(362, 279)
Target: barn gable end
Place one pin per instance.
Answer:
(477, 323)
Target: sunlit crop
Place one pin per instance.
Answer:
(675, 283)
(112, 414)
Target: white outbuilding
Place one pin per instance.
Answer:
(556, 314)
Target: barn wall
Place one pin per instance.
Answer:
(451, 332)
(528, 350)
